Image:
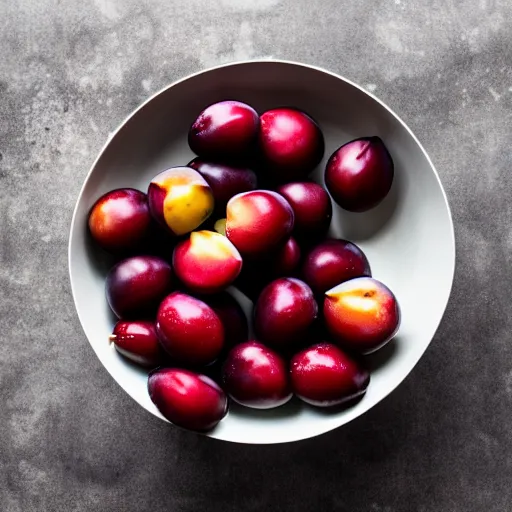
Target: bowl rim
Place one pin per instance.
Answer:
(311, 67)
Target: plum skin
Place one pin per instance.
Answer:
(180, 200)
(284, 312)
(324, 376)
(362, 315)
(207, 262)
(120, 220)
(291, 143)
(136, 285)
(187, 399)
(258, 222)
(137, 341)
(311, 206)
(255, 376)
(332, 262)
(225, 180)
(227, 129)
(359, 174)
(189, 330)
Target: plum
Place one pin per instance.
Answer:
(285, 261)
(180, 199)
(291, 143)
(359, 174)
(324, 376)
(255, 376)
(227, 129)
(120, 220)
(361, 315)
(137, 340)
(206, 262)
(189, 330)
(225, 180)
(311, 206)
(284, 312)
(187, 399)
(136, 285)
(236, 327)
(258, 222)
(332, 262)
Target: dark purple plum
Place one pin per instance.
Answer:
(187, 399)
(224, 130)
(359, 174)
(311, 206)
(332, 262)
(255, 376)
(136, 285)
(284, 312)
(225, 180)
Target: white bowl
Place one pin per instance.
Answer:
(408, 238)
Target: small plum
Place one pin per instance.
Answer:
(332, 262)
(359, 174)
(227, 129)
(136, 285)
(324, 376)
(187, 399)
(225, 181)
(189, 330)
(311, 206)
(361, 315)
(206, 262)
(256, 376)
(258, 222)
(291, 143)
(120, 220)
(284, 312)
(137, 341)
(180, 199)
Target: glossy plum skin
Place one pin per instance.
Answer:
(136, 285)
(232, 316)
(180, 199)
(311, 206)
(227, 129)
(206, 262)
(189, 330)
(256, 376)
(258, 222)
(290, 142)
(225, 181)
(137, 340)
(120, 220)
(284, 312)
(285, 262)
(324, 376)
(362, 315)
(359, 174)
(332, 262)
(187, 399)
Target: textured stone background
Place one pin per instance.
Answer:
(71, 440)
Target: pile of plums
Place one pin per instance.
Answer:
(243, 213)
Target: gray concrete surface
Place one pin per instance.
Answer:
(71, 440)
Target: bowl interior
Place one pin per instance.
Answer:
(408, 238)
